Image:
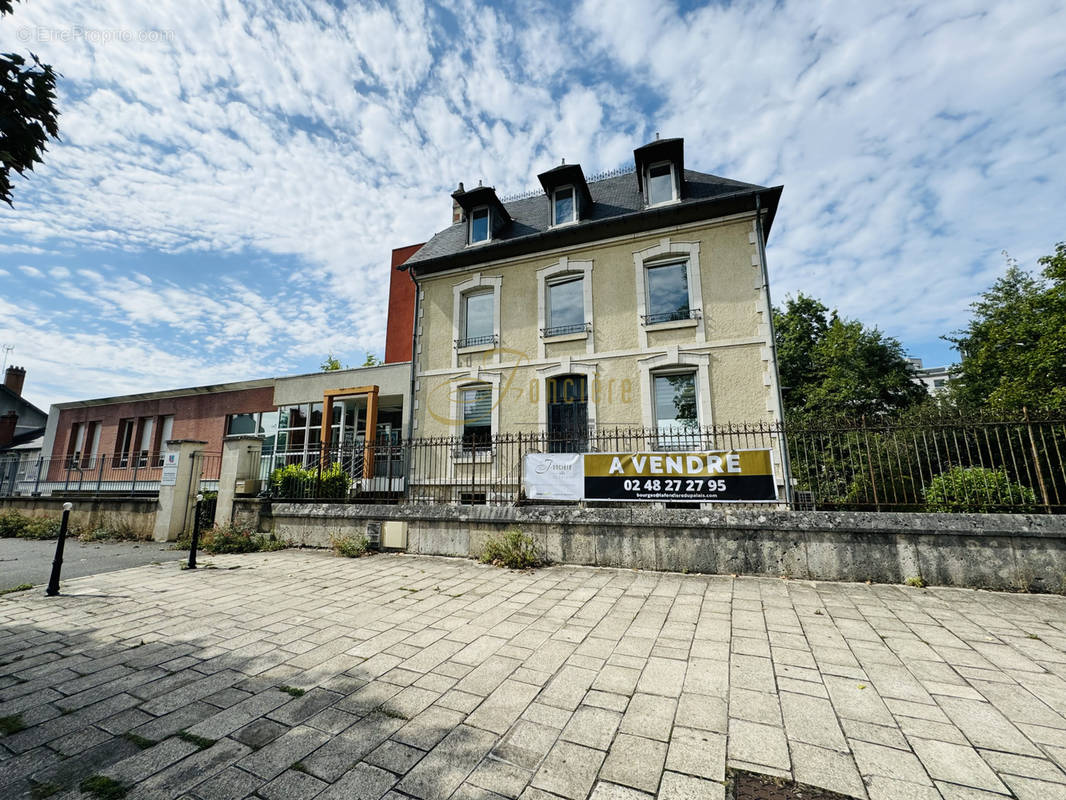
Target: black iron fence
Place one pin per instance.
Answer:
(29, 474)
(963, 465)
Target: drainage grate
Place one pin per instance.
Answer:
(750, 786)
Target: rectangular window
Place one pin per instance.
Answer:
(165, 434)
(478, 326)
(660, 184)
(145, 445)
(239, 424)
(566, 307)
(479, 225)
(667, 293)
(477, 418)
(563, 207)
(676, 416)
(123, 443)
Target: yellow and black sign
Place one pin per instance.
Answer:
(705, 477)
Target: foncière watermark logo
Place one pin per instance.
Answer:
(454, 400)
(96, 36)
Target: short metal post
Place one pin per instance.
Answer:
(195, 532)
(37, 481)
(57, 562)
(136, 466)
(100, 476)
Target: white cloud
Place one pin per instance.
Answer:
(33, 272)
(303, 141)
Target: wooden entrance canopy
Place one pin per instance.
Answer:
(370, 435)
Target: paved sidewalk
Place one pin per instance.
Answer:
(436, 678)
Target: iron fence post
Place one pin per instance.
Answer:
(57, 562)
(37, 481)
(136, 466)
(100, 476)
(1036, 462)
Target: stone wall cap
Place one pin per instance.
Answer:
(239, 437)
(185, 441)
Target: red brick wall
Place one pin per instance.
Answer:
(401, 325)
(200, 416)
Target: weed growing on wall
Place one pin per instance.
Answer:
(513, 549)
(350, 546)
(232, 539)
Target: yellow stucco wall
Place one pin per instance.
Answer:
(732, 333)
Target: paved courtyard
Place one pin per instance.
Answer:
(295, 675)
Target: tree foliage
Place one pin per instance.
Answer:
(832, 366)
(1013, 352)
(330, 364)
(27, 112)
(372, 360)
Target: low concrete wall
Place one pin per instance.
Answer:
(135, 514)
(996, 551)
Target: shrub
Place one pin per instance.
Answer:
(12, 524)
(978, 490)
(231, 539)
(294, 480)
(512, 549)
(350, 546)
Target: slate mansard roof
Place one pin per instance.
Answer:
(617, 209)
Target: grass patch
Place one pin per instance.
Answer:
(350, 546)
(103, 788)
(22, 587)
(916, 581)
(142, 742)
(298, 766)
(200, 741)
(512, 549)
(293, 690)
(12, 724)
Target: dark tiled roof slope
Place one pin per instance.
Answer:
(612, 198)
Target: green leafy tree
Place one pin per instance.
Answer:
(371, 360)
(331, 364)
(27, 112)
(1013, 352)
(832, 366)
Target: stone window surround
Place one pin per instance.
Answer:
(564, 267)
(475, 378)
(665, 251)
(674, 361)
(471, 285)
(567, 367)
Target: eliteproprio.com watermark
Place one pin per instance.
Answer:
(77, 33)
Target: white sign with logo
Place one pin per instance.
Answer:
(554, 476)
(170, 469)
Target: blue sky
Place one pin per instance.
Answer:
(233, 175)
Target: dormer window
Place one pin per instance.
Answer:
(563, 206)
(479, 225)
(661, 183)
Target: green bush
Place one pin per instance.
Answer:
(12, 524)
(978, 490)
(294, 480)
(512, 549)
(231, 539)
(350, 546)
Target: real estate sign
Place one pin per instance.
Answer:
(722, 476)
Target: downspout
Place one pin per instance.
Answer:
(411, 393)
(787, 461)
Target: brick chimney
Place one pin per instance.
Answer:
(457, 212)
(14, 378)
(7, 427)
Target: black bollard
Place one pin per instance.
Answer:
(195, 532)
(57, 562)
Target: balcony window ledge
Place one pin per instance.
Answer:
(476, 348)
(670, 325)
(566, 337)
